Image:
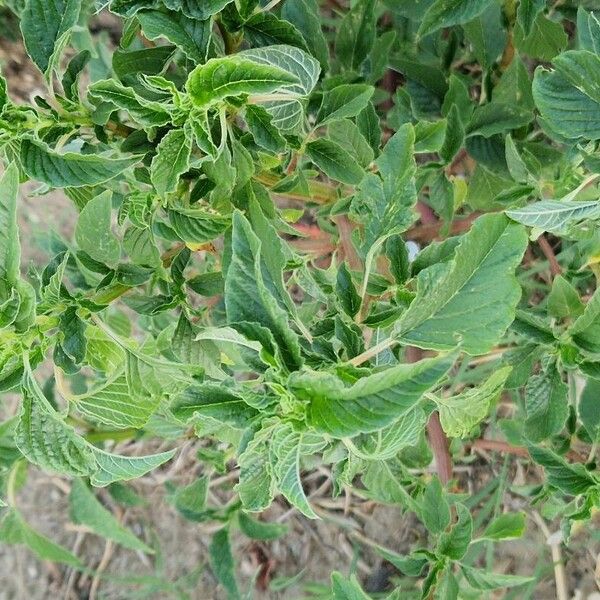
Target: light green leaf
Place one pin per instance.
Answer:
(356, 34)
(222, 563)
(588, 30)
(10, 248)
(248, 299)
(554, 215)
(259, 530)
(286, 448)
(344, 588)
(114, 404)
(455, 543)
(334, 161)
(505, 527)
(93, 230)
(142, 111)
(87, 510)
(479, 282)
(267, 29)
(192, 36)
(171, 161)
(486, 35)
(288, 114)
(460, 413)
(370, 403)
(256, 486)
(304, 14)
(45, 25)
(385, 202)
(235, 76)
(265, 134)
(197, 10)
(349, 136)
(481, 579)
(563, 299)
(585, 331)
(445, 13)
(198, 226)
(15, 530)
(498, 117)
(70, 169)
(45, 439)
(566, 109)
(435, 510)
(344, 101)
(113, 467)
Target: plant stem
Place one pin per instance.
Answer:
(437, 438)
(546, 248)
(271, 5)
(374, 351)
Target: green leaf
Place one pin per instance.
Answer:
(10, 248)
(435, 510)
(587, 408)
(527, 12)
(115, 404)
(93, 230)
(498, 117)
(45, 439)
(429, 135)
(454, 543)
(356, 34)
(344, 101)
(266, 29)
(334, 161)
(455, 135)
(198, 226)
(222, 563)
(349, 136)
(384, 203)
(480, 579)
(346, 292)
(248, 299)
(45, 26)
(505, 527)
(287, 446)
(479, 281)
(265, 134)
(588, 30)
(256, 486)
(445, 13)
(372, 402)
(546, 39)
(563, 299)
(192, 36)
(214, 401)
(69, 169)
(287, 112)
(570, 479)
(566, 108)
(546, 404)
(171, 161)
(113, 467)
(460, 413)
(87, 510)
(197, 10)
(304, 14)
(554, 215)
(190, 500)
(142, 111)
(486, 35)
(344, 588)
(585, 331)
(258, 530)
(235, 76)
(15, 530)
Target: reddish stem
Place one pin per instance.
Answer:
(546, 248)
(437, 438)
